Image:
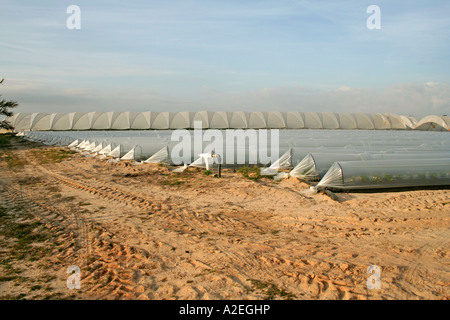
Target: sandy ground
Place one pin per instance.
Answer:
(143, 232)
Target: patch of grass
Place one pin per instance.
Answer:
(5, 140)
(245, 170)
(207, 172)
(186, 174)
(13, 161)
(10, 141)
(250, 173)
(24, 241)
(172, 182)
(270, 290)
(52, 155)
(20, 230)
(25, 235)
(9, 270)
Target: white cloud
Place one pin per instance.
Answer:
(417, 99)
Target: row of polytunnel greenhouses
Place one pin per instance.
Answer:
(329, 159)
(222, 120)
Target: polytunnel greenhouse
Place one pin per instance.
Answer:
(150, 120)
(376, 174)
(339, 151)
(315, 165)
(141, 145)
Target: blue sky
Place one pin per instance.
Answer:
(194, 55)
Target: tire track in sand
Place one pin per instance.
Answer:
(105, 191)
(72, 221)
(415, 271)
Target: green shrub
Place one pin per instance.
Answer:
(245, 170)
(250, 173)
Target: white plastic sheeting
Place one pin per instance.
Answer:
(134, 153)
(108, 149)
(100, 146)
(299, 142)
(343, 159)
(375, 174)
(161, 156)
(315, 165)
(203, 163)
(434, 123)
(222, 120)
(284, 162)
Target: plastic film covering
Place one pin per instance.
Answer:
(106, 150)
(300, 142)
(159, 157)
(284, 162)
(134, 154)
(201, 162)
(223, 120)
(314, 166)
(99, 147)
(433, 123)
(74, 143)
(117, 152)
(376, 174)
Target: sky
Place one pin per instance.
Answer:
(250, 55)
